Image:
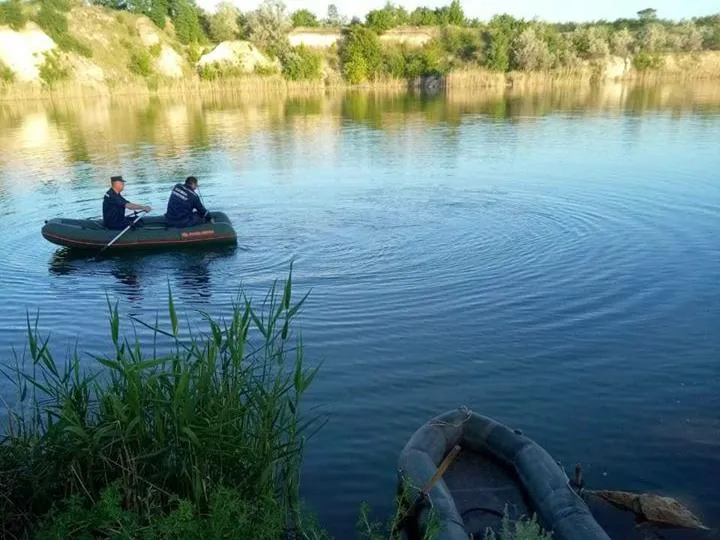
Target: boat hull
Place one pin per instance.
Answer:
(151, 233)
(528, 475)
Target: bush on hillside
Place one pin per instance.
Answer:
(11, 13)
(645, 61)
(155, 50)
(361, 55)
(141, 63)
(53, 69)
(7, 75)
(55, 25)
(301, 64)
(529, 52)
(464, 43)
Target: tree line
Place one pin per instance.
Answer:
(504, 43)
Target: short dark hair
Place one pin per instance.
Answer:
(190, 180)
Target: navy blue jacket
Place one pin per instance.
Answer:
(114, 210)
(181, 204)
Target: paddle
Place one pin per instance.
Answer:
(126, 229)
(426, 490)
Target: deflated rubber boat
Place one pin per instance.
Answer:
(496, 469)
(150, 232)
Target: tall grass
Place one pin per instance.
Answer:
(220, 412)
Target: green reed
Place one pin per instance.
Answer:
(222, 410)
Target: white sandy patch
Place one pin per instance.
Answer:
(24, 51)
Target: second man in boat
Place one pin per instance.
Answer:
(185, 208)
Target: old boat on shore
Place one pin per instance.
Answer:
(497, 469)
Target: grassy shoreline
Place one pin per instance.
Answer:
(251, 85)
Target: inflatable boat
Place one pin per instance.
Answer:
(149, 232)
(496, 470)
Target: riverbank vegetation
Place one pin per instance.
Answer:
(388, 44)
(204, 440)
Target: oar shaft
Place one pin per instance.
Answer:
(126, 229)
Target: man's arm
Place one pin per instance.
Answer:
(133, 206)
(198, 205)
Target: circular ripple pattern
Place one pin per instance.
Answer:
(559, 273)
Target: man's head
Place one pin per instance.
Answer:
(191, 182)
(117, 183)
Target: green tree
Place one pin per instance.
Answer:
(380, 20)
(333, 16)
(455, 13)
(187, 23)
(158, 12)
(423, 16)
(499, 36)
(361, 55)
(304, 17)
(224, 22)
(648, 14)
(269, 27)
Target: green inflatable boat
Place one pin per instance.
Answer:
(149, 232)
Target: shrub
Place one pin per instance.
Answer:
(301, 63)
(7, 75)
(361, 55)
(141, 63)
(155, 50)
(53, 69)
(590, 43)
(11, 13)
(645, 61)
(465, 43)
(529, 52)
(265, 70)
(142, 433)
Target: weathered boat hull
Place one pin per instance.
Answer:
(151, 232)
(512, 470)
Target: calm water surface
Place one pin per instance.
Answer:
(552, 260)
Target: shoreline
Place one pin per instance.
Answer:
(463, 79)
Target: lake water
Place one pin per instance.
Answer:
(551, 260)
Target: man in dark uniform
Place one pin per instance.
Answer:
(184, 207)
(114, 205)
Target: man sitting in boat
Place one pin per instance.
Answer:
(184, 207)
(114, 205)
